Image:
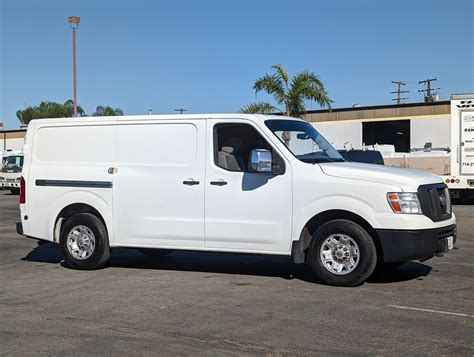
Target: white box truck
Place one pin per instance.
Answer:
(229, 183)
(461, 178)
(12, 163)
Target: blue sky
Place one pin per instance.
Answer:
(205, 55)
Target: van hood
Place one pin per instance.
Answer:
(408, 180)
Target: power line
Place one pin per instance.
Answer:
(429, 97)
(399, 91)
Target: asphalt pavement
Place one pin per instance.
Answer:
(223, 304)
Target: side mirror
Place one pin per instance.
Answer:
(260, 161)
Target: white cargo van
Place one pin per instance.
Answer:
(230, 183)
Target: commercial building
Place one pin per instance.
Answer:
(406, 126)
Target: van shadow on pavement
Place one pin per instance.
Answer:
(225, 263)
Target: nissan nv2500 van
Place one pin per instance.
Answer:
(228, 183)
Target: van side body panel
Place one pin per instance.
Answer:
(159, 185)
(69, 164)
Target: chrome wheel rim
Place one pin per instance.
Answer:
(339, 254)
(80, 242)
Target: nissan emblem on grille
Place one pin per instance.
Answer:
(442, 199)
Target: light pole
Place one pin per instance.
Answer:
(74, 25)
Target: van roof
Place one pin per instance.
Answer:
(257, 117)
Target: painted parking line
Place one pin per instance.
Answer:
(430, 310)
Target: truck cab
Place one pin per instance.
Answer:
(237, 183)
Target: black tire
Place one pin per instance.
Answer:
(367, 253)
(15, 191)
(155, 253)
(101, 252)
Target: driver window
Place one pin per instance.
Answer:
(233, 144)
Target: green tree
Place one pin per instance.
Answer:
(106, 111)
(258, 108)
(291, 94)
(48, 109)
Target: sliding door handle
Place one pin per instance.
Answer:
(218, 183)
(190, 182)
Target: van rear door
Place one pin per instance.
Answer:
(159, 183)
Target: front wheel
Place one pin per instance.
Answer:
(342, 253)
(84, 242)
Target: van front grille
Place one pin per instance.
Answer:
(435, 201)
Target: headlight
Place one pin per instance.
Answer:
(404, 202)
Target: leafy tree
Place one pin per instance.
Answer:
(291, 94)
(106, 111)
(258, 108)
(48, 109)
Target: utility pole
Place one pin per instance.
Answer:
(399, 91)
(428, 96)
(180, 110)
(74, 25)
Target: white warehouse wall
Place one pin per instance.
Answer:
(339, 134)
(436, 131)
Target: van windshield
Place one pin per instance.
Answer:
(304, 141)
(12, 163)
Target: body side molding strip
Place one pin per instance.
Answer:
(74, 183)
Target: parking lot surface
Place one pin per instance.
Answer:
(222, 304)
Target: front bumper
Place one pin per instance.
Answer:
(9, 185)
(402, 245)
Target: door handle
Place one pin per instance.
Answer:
(190, 182)
(219, 182)
(112, 170)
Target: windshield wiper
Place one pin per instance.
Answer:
(315, 160)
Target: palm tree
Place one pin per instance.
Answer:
(291, 95)
(68, 109)
(107, 111)
(48, 109)
(258, 108)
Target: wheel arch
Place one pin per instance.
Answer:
(300, 246)
(69, 211)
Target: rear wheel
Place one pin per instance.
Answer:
(15, 191)
(84, 242)
(342, 253)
